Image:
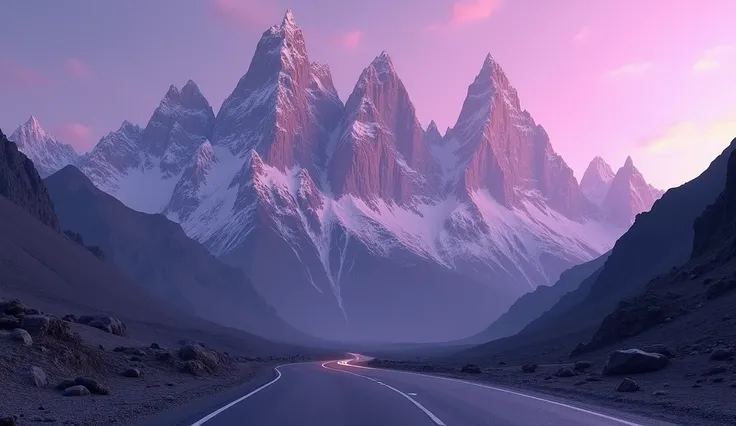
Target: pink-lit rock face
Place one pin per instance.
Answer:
(284, 107)
(381, 152)
(499, 147)
(628, 195)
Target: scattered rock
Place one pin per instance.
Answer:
(192, 351)
(131, 372)
(696, 385)
(582, 382)
(627, 385)
(100, 347)
(501, 362)
(195, 368)
(92, 385)
(164, 356)
(37, 377)
(77, 390)
(12, 307)
(547, 377)
(592, 379)
(155, 346)
(20, 335)
(105, 323)
(633, 361)
(9, 322)
(169, 384)
(660, 393)
(712, 371)
(69, 318)
(135, 359)
(64, 384)
(529, 368)
(46, 325)
(717, 380)
(582, 365)
(564, 372)
(31, 311)
(721, 354)
(470, 368)
(169, 398)
(659, 349)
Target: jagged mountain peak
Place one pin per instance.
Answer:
(628, 195)
(289, 19)
(45, 151)
(597, 180)
(432, 134)
(629, 163)
(127, 126)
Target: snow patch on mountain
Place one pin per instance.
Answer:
(47, 153)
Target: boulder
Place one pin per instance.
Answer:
(193, 351)
(64, 384)
(193, 367)
(7, 421)
(31, 311)
(69, 318)
(659, 349)
(564, 372)
(77, 390)
(163, 356)
(582, 365)
(131, 372)
(92, 385)
(721, 354)
(20, 335)
(12, 307)
(633, 361)
(37, 377)
(105, 323)
(46, 325)
(471, 369)
(712, 371)
(529, 368)
(627, 385)
(9, 322)
(155, 346)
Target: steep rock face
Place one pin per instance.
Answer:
(21, 184)
(497, 146)
(283, 107)
(155, 157)
(432, 135)
(46, 152)
(628, 195)
(161, 259)
(380, 153)
(597, 180)
(714, 229)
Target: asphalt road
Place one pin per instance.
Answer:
(336, 393)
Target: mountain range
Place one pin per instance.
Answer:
(351, 219)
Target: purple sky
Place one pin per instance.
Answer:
(649, 78)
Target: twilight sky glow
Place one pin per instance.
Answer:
(649, 78)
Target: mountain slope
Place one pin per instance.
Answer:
(532, 305)
(156, 254)
(46, 152)
(658, 241)
(21, 184)
(340, 212)
(45, 269)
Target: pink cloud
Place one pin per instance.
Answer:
(350, 40)
(244, 12)
(77, 68)
(630, 70)
(17, 74)
(78, 135)
(468, 12)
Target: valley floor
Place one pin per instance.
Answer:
(684, 393)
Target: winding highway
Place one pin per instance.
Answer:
(338, 393)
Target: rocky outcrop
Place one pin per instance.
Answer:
(21, 184)
(716, 227)
(633, 361)
(105, 323)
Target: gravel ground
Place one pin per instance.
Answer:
(160, 387)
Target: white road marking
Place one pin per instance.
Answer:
(411, 393)
(429, 414)
(561, 404)
(209, 417)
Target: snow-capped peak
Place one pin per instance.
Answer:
(382, 66)
(288, 19)
(596, 180)
(47, 153)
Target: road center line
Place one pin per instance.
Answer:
(561, 404)
(429, 414)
